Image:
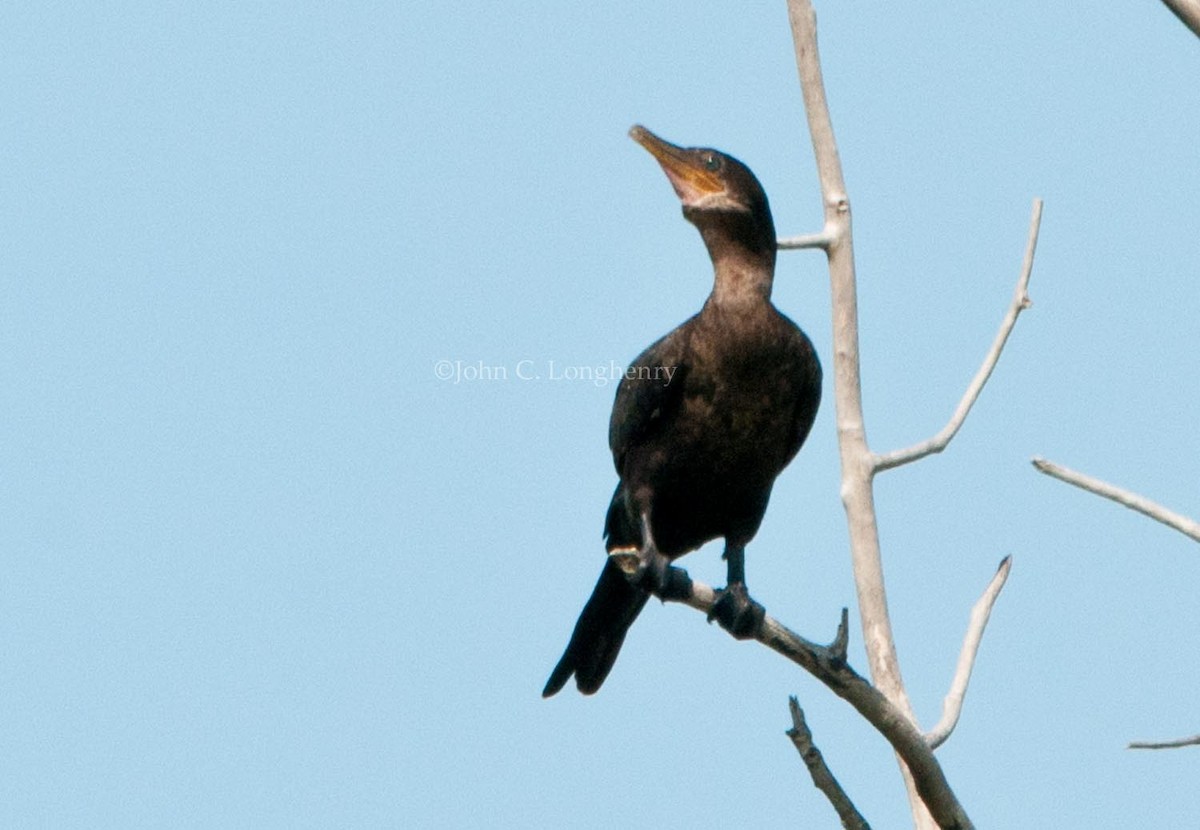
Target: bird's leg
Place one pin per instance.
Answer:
(734, 609)
(647, 568)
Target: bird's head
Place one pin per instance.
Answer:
(719, 194)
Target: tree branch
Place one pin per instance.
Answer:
(1188, 12)
(822, 777)
(952, 706)
(1020, 302)
(828, 664)
(852, 443)
(1194, 740)
(1133, 501)
(857, 460)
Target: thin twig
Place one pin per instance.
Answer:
(1194, 740)
(952, 705)
(1188, 527)
(1020, 302)
(822, 777)
(820, 240)
(1188, 11)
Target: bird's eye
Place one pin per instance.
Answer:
(712, 163)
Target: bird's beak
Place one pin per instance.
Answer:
(692, 182)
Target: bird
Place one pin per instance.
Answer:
(704, 419)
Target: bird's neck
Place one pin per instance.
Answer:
(743, 264)
(739, 283)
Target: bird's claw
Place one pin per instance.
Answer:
(737, 612)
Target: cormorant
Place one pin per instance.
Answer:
(704, 419)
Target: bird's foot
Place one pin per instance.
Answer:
(737, 612)
(651, 571)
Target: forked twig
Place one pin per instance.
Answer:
(1020, 302)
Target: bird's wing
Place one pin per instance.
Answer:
(808, 401)
(649, 394)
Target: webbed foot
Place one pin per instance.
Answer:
(737, 612)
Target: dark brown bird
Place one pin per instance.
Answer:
(704, 420)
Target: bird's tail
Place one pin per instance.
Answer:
(598, 634)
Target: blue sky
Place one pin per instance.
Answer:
(262, 567)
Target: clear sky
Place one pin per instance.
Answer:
(260, 566)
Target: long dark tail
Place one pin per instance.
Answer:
(598, 635)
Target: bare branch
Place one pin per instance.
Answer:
(1188, 11)
(1020, 302)
(859, 464)
(822, 777)
(858, 497)
(820, 240)
(1133, 501)
(828, 664)
(952, 706)
(1192, 741)
(852, 441)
